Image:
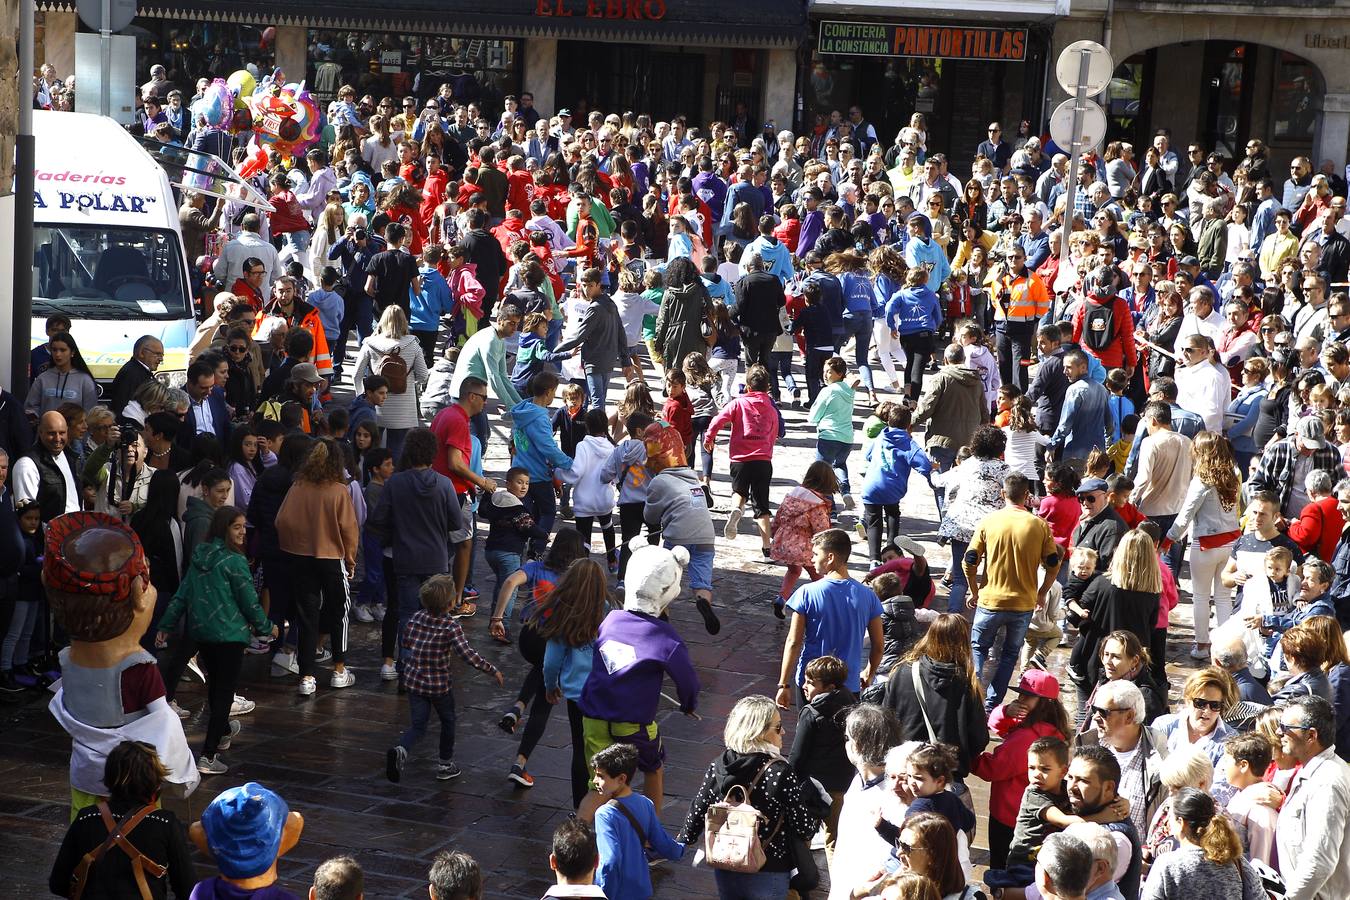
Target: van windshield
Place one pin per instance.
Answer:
(108, 272)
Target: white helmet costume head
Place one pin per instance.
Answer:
(653, 577)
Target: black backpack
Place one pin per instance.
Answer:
(1099, 325)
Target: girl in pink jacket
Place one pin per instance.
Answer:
(756, 425)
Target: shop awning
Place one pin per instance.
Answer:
(748, 23)
(968, 10)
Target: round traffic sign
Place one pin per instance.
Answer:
(1091, 128)
(120, 13)
(1068, 67)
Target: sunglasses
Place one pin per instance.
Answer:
(904, 849)
(1202, 704)
(1102, 711)
(1286, 729)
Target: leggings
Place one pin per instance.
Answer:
(173, 664)
(918, 350)
(581, 776)
(220, 664)
(888, 349)
(700, 428)
(532, 694)
(321, 603)
(872, 516)
(630, 526)
(1206, 586)
(606, 521)
(790, 578)
(389, 624)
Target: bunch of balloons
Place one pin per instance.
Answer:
(284, 117)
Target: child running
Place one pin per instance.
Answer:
(593, 498)
(804, 513)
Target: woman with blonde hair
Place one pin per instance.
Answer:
(328, 230)
(398, 415)
(320, 538)
(1206, 696)
(1208, 861)
(1126, 599)
(1189, 768)
(1210, 512)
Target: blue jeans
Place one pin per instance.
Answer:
(943, 459)
(504, 564)
(543, 505)
(987, 624)
(420, 707)
(859, 325)
(751, 885)
(393, 442)
(956, 598)
(782, 364)
(1178, 550)
(836, 454)
(372, 588)
(597, 388)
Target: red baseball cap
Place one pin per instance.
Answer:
(1039, 683)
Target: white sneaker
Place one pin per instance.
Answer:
(378, 610)
(242, 706)
(308, 686)
(342, 679)
(323, 655)
(1198, 653)
(235, 727)
(909, 545)
(388, 672)
(178, 710)
(362, 613)
(284, 664)
(196, 670)
(733, 523)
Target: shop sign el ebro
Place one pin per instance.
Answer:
(637, 10)
(946, 41)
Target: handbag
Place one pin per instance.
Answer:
(117, 836)
(731, 830)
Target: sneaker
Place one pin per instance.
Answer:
(710, 620)
(1036, 662)
(447, 770)
(258, 647)
(733, 523)
(196, 670)
(470, 593)
(8, 685)
(235, 727)
(308, 686)
(910, 546)
(768, 554)
(342, 679)
(849, 502)
(178, 710)
(242, 706)
(394, 758)
(1200, 651)
(860, 530)
(211, 765)
(378, 610)
(362, 613)
(521, 777)
(508, 722)
(779, 607)
(323, 655)
(284, 664)
(388, 672)
(564, 512)
(613, 565)
(465, 610)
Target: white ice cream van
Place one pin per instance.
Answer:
(108, 251)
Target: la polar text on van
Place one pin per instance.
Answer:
(104, 201)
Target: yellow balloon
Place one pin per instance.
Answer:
(242, 83)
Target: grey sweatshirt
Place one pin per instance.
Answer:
(627, 466)
(676, 506)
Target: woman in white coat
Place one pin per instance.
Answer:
(398, 414)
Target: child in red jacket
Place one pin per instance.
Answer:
(678, 409)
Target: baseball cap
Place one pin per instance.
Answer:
(565, 112)
(305, 372)
(1039, 683)
(243, 828)
(1097, 484)
(1188, 261)
(1311, 435)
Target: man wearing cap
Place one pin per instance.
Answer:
(1014, 544)
(301, 387)
(1284, 465)
(246, 829)
(1101, 527)
(98, 584)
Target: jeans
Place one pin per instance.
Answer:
(751, 885)
(19, 636)
(859, 325)
(836, 454)
(504, 564)
(597, 388)
(1177, 550)
(372, 588)
(956, 598)
(782, 366)
(982, 633)
(699, 425)
(427, 340)
(943, 459)
(393, 441)
(420, 707)
(1015, 343)
(542, 503)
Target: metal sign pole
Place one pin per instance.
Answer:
(25, 158)
(105, 48)
(1076, 153)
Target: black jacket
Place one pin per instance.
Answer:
(818, 746)
(132, 375)
(1047, 390)
(957, 712)
(16, 436)
(159, 836)
(264, 504)
(789, 806)
(1101, 533)
(759, 296)
(1115, 609)
(483, 250)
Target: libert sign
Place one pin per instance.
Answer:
(950, 42)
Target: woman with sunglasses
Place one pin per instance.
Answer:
(1162, 327)
(927, 847)
(1199, 723)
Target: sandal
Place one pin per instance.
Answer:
(465, 610)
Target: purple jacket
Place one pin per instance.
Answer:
(633, 654)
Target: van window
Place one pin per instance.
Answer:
(108, 272)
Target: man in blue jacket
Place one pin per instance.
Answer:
(743, 191)
(1085, 419)
(536, 451)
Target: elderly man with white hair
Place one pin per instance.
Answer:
(1117, 716)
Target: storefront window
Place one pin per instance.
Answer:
(888, 89)
(1121, 99)
(399, 65)
(1297, 98)
(192, 50)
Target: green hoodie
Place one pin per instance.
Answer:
(832, 413)
(218, 597)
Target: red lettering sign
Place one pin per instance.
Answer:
(636, 10)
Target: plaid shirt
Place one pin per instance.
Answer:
(1275, 470)
(429, 640)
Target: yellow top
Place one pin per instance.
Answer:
(1014, 544)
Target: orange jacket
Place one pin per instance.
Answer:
(1029, 300)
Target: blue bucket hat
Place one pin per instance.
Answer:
(243, 828)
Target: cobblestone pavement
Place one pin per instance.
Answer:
(325, 754)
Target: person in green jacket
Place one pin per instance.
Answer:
(832, 414)
(223, 613)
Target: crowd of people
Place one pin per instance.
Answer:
(1107, 389)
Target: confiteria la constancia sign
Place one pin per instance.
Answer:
(947, 41)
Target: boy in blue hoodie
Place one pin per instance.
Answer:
(366, 408)
(627, 464)
(889, 459)
(510, 529)
(922, 252)
(532, 357)
(537, 453)
(430, 303)
(626, 826)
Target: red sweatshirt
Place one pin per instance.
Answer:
(1005, 767)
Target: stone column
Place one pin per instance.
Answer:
(780, 88)
(541, 73)
(1333, 130)
(292, 47)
